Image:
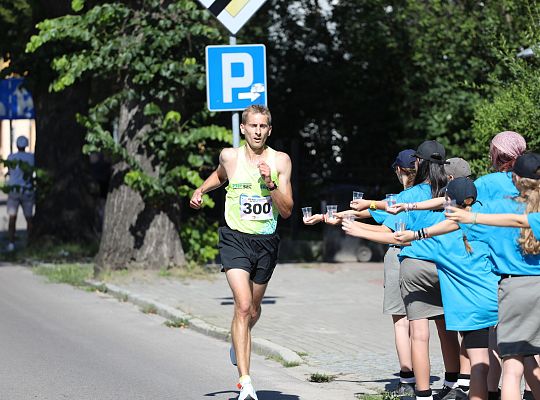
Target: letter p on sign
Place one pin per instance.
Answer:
(235, 77)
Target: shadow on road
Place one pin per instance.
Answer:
(261, 394)
(229, 301)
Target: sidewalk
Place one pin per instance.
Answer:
(329, 314)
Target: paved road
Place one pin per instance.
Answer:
(58, 342)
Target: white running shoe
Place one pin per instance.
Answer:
(247, 392)
(232, 355)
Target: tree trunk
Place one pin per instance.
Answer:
(137, 233)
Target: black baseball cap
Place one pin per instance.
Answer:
(431, 150)
(528, 166)
(405, 159)
(460, 189)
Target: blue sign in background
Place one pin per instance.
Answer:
(235, 77)
(15, 101)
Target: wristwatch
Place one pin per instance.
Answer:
(274, 187)
(373, 205)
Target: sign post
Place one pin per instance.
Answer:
(235, 78)
(15, 103)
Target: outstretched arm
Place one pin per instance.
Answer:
(438, 229)
(358, 229)
(431, 204)
(467, 217)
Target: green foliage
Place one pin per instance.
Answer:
(200, 239)
(321, 378)
(515, 106)
(40, 181)
(148, 61)
(177, 323)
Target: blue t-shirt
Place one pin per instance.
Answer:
(534, 222)
(503, 242)
(468, 285)
(414, 220)
(378, 215)
(495, 186)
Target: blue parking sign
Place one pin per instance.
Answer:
(235, 77)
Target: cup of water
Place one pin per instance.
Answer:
(306, 212)
(331, 210)
(357, 195)
(348, 217)
(400, 226)
(449, 203)
(391, 200)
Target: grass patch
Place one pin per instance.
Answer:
(149, 309)
(177, 323)
(282, 361)
(123, 297)
(379, 396)
(73, 274)
(321, 378)
(302, 354)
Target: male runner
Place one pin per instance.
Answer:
(259, 189)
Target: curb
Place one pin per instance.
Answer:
(259, 345)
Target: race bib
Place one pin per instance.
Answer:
(255, 208)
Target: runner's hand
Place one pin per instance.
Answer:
(196, 199)
(264, 170)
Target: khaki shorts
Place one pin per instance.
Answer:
(393, 302)
(518, 330)
(420, 289)
(24, 199)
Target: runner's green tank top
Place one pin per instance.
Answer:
(248, 204)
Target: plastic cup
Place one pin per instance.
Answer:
(400, 226)
(391, 200)
(449, 203)
(330, 210)
(348, 217)
(306, 212)
(357, 195)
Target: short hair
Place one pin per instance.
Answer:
(257, 109)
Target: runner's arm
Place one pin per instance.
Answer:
(282, 196)
(216, 179)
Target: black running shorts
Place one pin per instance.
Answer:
(477, 339)
(256, 254)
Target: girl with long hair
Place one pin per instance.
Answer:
(419, 282)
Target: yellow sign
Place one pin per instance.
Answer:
(235, 6)
(233, 13)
